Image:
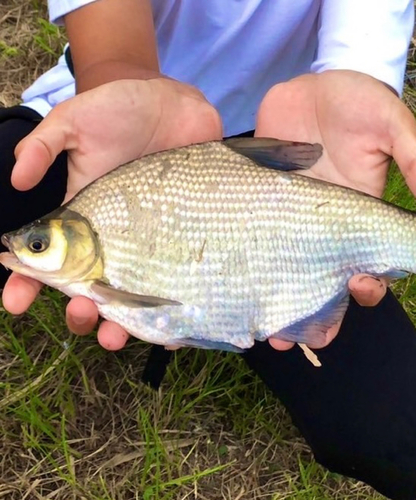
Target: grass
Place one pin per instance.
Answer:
(76, 421)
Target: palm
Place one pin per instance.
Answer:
(357, 120)
(348, 113)
(114, 124)
(360, 123)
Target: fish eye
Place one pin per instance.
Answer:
(38, 244)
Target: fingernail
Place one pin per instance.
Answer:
(369, 277)
(79, 320)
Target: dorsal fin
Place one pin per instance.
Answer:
(276, 154)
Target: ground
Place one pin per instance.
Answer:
(78, 424)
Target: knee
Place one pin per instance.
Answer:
(393, 475)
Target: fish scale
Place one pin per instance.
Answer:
(216, 245)
(248, 251)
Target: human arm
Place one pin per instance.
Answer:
(294, 135)
(109, 40)
(367, 36)
(350, 105)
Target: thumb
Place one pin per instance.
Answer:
(36, 152)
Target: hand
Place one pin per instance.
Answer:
(361, 124)
(101, 129)
(111, 125)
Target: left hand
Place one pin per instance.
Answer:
(361, 124)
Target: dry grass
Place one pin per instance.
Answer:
(78, 424)
(28, 46)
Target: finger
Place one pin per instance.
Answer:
(403, 132)
(112, 336)
(81, 315)
(281, 345)
(19, 293)
(329, 336)
(367, 290)
(36, 152)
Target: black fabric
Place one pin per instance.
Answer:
(16, 112)
(18, 207)
(156, 366)
(159, 358)
(68, 60)
(357, 412)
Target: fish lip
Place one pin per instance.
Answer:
(8, 259)
(5, 239)
(11, 262)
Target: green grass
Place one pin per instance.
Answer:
(76, 421)
(7, 51)
(47, 37)
(398, 193)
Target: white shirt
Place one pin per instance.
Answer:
(235, 50)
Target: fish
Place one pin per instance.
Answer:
(217, 245)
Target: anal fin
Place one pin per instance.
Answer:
(313, 329)
(206, 344)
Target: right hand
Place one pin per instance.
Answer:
(102, 129)
(114, 124)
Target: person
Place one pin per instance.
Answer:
(324, 75)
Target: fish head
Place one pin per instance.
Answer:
(58, 249)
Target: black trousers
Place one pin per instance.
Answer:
(16, 207)
(357, 412)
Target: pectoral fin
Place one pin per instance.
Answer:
(108, 294)
(312, 330)
(277, 154)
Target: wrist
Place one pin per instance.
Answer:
(358, 74)
(108, 71)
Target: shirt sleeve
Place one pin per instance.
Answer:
(59, 8)
(370, 36)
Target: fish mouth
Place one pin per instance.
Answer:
(9, 260)
(5, 239)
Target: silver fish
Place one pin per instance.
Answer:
(217, 244)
